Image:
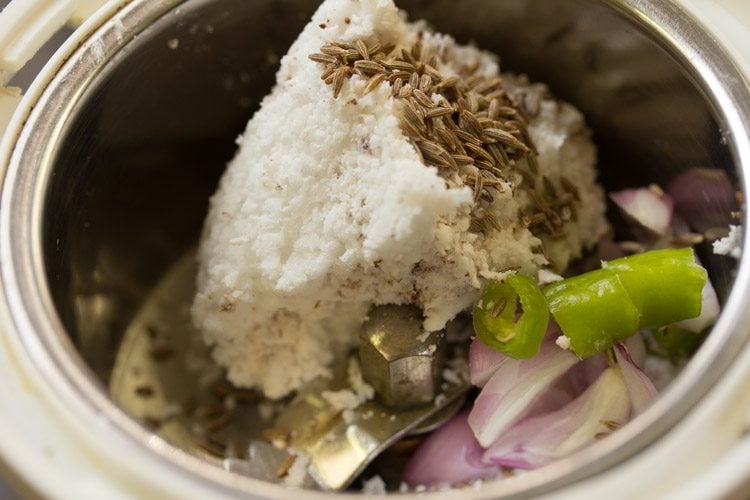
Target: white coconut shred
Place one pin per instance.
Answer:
(328, 208)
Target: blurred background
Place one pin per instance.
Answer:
(23, 79)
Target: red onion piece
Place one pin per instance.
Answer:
(647, 207)
(483, 362)
(536, 441)
(449, 456)
(705, 197)
(637, 349)
(584, 373)
(513, 389)
(640, 388)
(553, 399)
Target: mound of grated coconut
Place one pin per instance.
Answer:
(389, 165)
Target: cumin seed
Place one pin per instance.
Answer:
(499, 307)
(323, 58)
(286, 465)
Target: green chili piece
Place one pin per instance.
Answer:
(593, 310)
(676, 342)
(496, 321)
(665, 285)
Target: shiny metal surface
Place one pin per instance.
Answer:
(341, 444)
(165, 378)
(109, 180)
(401, 361)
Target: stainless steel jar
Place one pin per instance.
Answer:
(110, 159)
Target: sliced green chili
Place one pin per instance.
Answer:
(665, 285)
(496, 319)
(593, 310)
(677, 343)
(647, 290)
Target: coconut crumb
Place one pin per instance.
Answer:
(730, 245)
(545, 277)
(459, 367)
(374, 486)
(563, 342)
(345, 399)
(440, 399)
(362, 389)
(452, 376)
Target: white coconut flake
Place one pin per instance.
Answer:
(345, 399)
(362, 389)
(731, 244)
(545, 277)
(563, 342)
(374, 486)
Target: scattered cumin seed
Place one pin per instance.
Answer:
(438, 112)
(479, 152)
(688, 239)
(477, 225)
(414, 79)
(323, 58)
(473, 123)
(491, 219)
(145, 391)
(499, 307)
(369, 67)
(219, 441)
(362, 49)
(611, 424)
(422, 98)
(152, 423)
(374, 83)
(425, 82)
(716, 233)
(219, 422)
(406, 91)
(333, 50)
(286, 466)
(467, 137)
(338, 80)
(656, 189)
(277, 437)
(212, 449)
(397, 87)
(463, 160)
(161, 352)
(478, 187)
